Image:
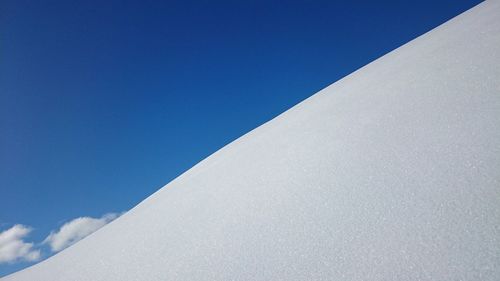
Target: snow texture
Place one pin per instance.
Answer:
(391, 173)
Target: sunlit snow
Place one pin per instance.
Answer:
(392, 173)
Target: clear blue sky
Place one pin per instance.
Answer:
(104, 102)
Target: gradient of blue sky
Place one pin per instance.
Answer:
(104, 102)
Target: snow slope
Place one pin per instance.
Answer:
(392, 173)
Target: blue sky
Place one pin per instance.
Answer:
(104, 102)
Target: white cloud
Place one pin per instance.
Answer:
(13, 248)
(75, 230)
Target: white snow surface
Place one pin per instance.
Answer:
(391, 173)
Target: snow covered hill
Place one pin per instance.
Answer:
(392, 173)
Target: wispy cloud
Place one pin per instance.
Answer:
(13, 248)
(75, 230)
